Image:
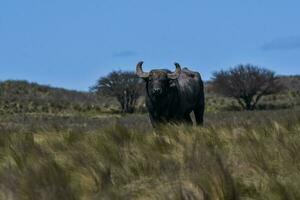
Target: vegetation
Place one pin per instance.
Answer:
(61, 144)
(248, 155)
(291, 83)
(25, 97)
(124, 86)
(247, 84)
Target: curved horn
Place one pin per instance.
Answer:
(178, 67)
(175, 75)
(139, 71)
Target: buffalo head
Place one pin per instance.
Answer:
(158, 80)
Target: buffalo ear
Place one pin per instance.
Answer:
(144, 78)
(173, 76)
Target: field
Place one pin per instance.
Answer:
(61, 144)
(236, 155)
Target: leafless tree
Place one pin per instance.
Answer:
(246, 83)
(124, 86)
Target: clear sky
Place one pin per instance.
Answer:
(71, 43)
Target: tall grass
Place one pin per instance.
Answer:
(246, 158)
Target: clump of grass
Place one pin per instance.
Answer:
(249, 158)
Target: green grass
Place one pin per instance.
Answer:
(237, 155)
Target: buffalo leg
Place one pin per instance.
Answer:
(199, 112)
(188, 119)
(154, 121)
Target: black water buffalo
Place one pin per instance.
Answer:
(172, 96)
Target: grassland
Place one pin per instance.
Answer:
(61, 144)
(236, 155)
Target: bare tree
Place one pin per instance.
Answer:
(246, 83)
(124, 86)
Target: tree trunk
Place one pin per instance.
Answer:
(125, 110)
(248, 103)
(241, 103)
(131, 103)
(258, 97)
(127, 102)
(121, 102)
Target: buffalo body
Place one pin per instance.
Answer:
(172, 96)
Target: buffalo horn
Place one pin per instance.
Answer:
(175, 75)
(139, 71)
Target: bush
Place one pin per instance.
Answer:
(247, 84)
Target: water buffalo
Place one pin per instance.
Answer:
(172, 96)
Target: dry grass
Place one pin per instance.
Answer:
(250, 157)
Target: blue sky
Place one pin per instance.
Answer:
(71, 43)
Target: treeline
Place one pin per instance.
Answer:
(26, 97)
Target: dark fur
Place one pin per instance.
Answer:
(178, 98)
